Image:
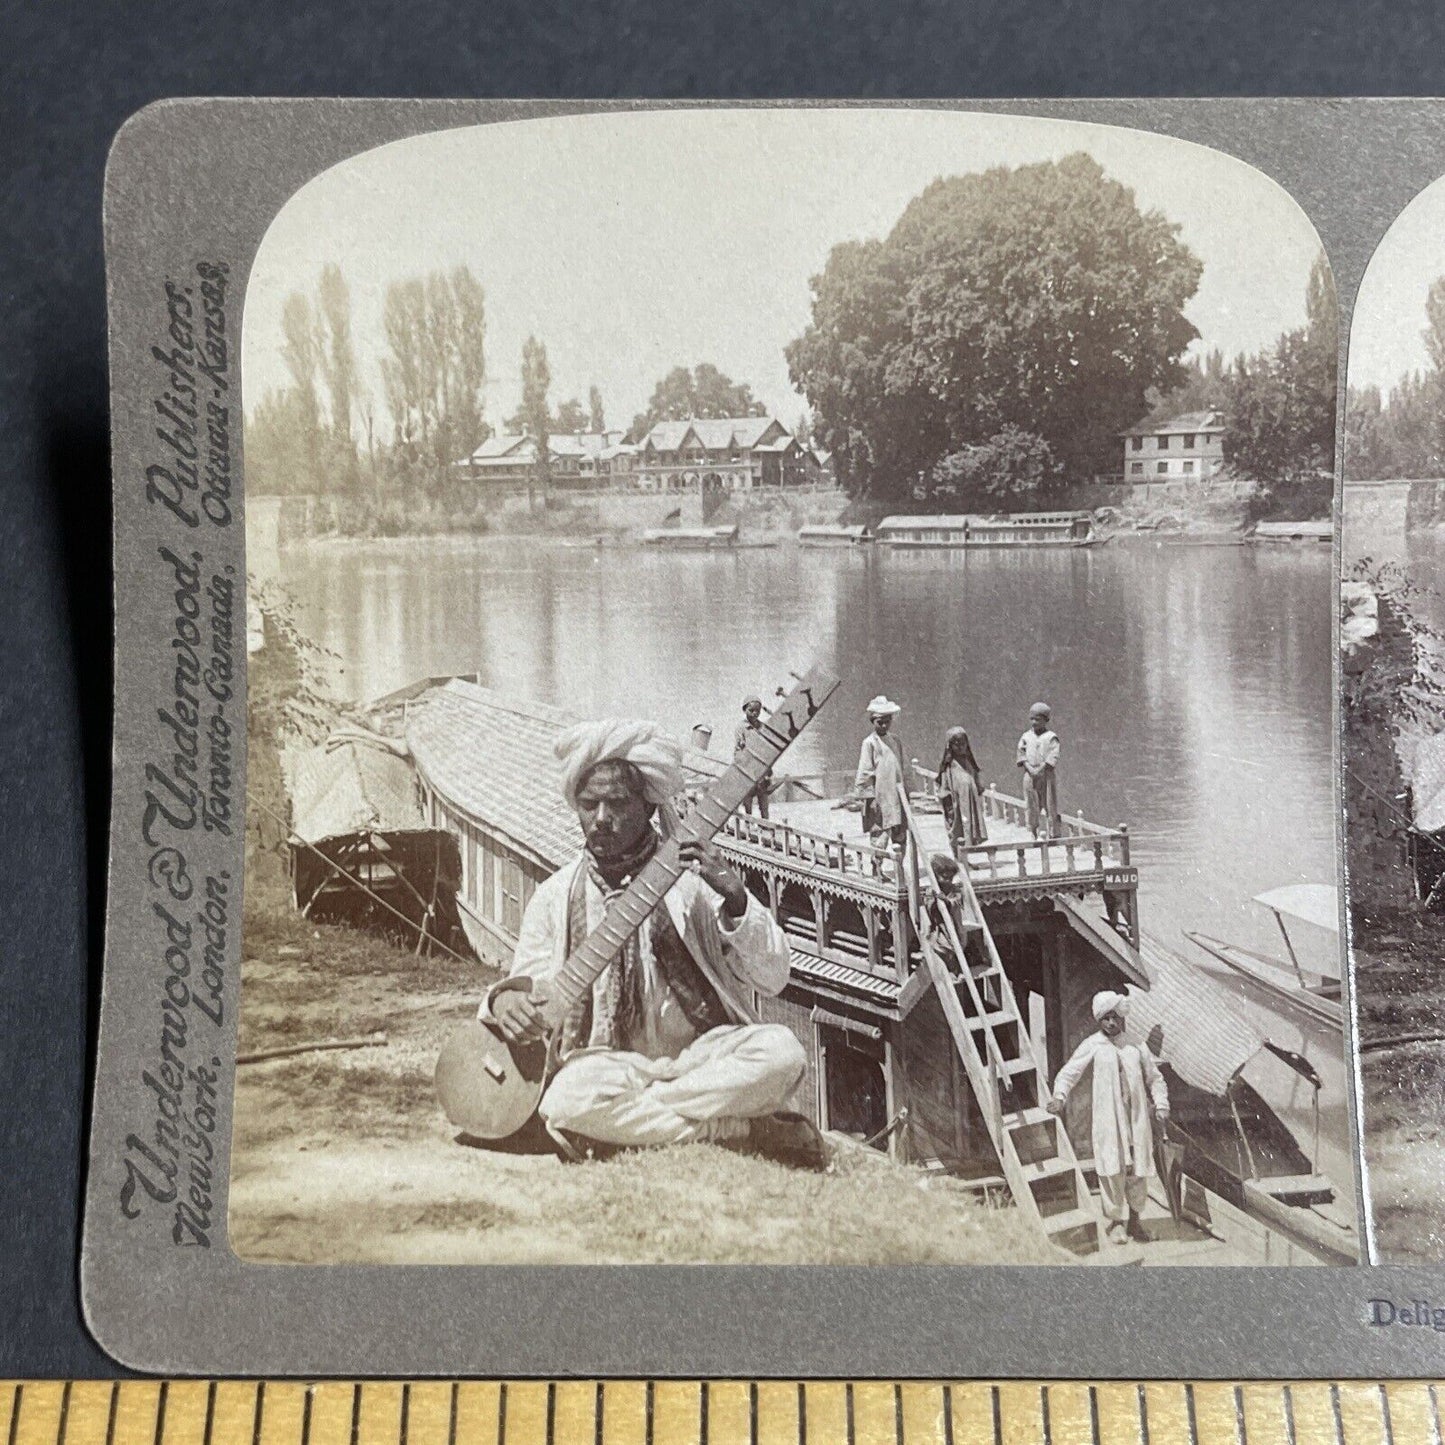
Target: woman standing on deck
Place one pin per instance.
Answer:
(960, 791)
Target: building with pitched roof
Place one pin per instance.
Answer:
(1184, 448)
(584, 461)
(727, 454)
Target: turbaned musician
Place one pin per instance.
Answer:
(667, 1047)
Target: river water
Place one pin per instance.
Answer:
(1190, 684)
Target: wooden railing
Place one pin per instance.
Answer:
(861, 859)
(1081, 847)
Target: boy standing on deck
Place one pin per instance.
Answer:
(1038, 756)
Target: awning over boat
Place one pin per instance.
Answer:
(350, 787)
(1425, 772)
(1316, 903)
(1095, 930)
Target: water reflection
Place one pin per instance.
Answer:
(1190, 686)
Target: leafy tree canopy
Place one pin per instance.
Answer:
(1402, 434)
(703, 391)
(1039, 298)
(1012, 466)
(1280, 411)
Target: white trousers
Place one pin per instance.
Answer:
(719, 1081)
(1121, 1193)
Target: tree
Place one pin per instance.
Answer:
(1205, 387)
(570, 417)
(1281, 411)
(703, 391)
(1368, 449)
(337, 355)
(536, 378)
(1011, 466)
(337, 362)
(1039, 298)
(435, 330)
(301, 351)
(596, 420)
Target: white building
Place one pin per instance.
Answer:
(1188, 447)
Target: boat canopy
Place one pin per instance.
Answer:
(1316, 903)
(1425, 772)
(348, 787)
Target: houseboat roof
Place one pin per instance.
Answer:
(518, 793)
(902, 522)
(833, 529)
(1184, 1021)
(349, 788)
(690, 534)
(960, 519)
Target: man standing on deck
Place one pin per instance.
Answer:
(881, 774)
(1038, 756)
(752, 721)
(666, 1048)
(1127, 1088)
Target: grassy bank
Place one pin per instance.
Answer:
(345, 1156)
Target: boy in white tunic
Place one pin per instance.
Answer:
(1127, 1089)
(1038, 756)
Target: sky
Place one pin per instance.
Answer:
(632, 243)
(1386, 339)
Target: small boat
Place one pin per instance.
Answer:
(690, 538)
(1293, 532)
(1310, 993)
(833, 534)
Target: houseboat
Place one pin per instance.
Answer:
(690, 538)
(934, 1003)
(1019, 529)
(833, 534)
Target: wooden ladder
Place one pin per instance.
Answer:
(1008, 1079)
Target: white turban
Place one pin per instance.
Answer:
(1109, 1002)
(643, 744)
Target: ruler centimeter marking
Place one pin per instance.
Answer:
(718, 1412)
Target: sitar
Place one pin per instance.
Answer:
(491, 1088)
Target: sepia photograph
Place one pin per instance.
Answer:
(1392, 639)
(790, 713)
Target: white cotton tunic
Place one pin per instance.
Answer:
(1127, 1088)
(880, 775)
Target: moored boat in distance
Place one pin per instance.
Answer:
(833, 534)
(1292, 532)
(690, 538)
(1017, 529)
(1311, 993)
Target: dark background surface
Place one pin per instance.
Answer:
(71, 73)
